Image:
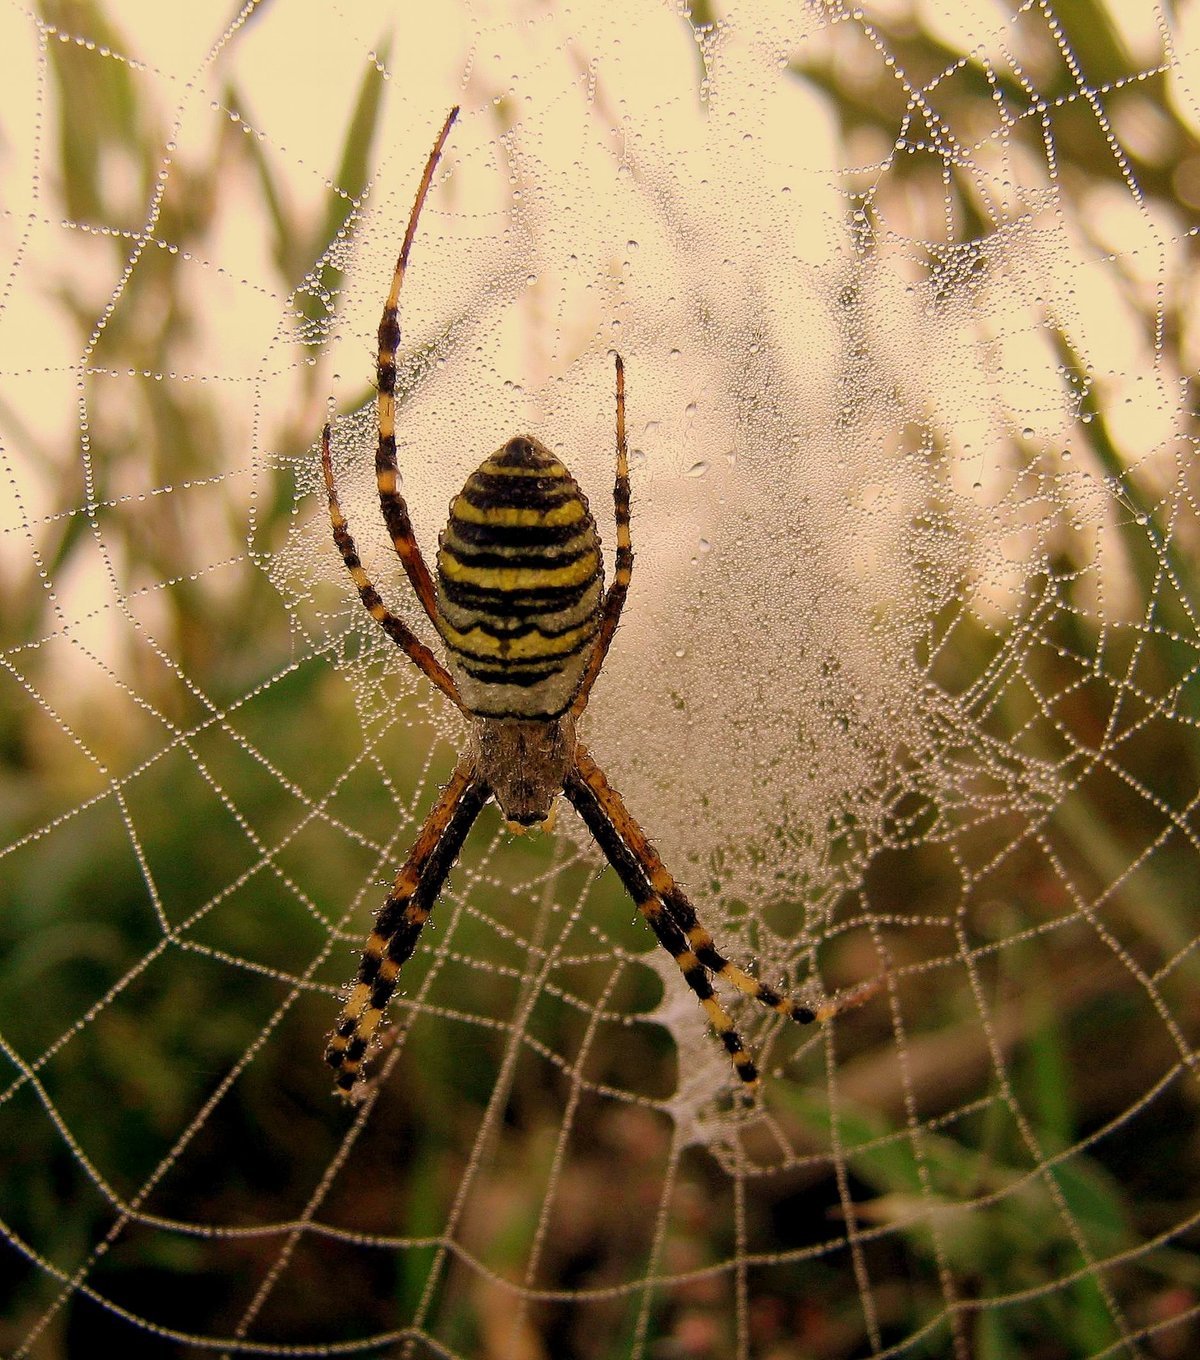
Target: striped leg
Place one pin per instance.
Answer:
(597, 815)
(399, 922)
(683, 913)
(391, 502)
(395, 628)
(614, 601)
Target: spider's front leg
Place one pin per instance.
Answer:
(673, 918)
(400, 920)
(606, 818)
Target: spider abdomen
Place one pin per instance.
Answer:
(520, 581)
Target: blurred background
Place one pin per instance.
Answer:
(906, 688)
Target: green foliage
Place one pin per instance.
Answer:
(1017, 1216)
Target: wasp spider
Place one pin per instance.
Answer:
(520, 605)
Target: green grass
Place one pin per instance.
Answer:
(1049, 1194)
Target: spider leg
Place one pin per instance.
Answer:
(399, 921)
(605, 817)
(614, 600)
(391, 502)
(676, 903)
(395, 628)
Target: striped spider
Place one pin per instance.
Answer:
(521, 609)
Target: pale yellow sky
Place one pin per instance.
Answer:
(595, 195)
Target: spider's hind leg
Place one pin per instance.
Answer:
(614, 600)
(391, 500)
(399, 632)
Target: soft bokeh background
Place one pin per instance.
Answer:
(907, 683)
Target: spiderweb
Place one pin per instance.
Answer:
(905, 688)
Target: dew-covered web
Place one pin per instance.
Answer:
(905, 690)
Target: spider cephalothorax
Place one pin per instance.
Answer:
(521, 608)
(525, 762)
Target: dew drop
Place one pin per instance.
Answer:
(698, 469)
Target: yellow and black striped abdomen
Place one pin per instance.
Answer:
(520, 580)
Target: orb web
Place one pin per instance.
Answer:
(905, 690)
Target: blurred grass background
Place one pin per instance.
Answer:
(1073, 1034)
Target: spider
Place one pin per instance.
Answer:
(521, 608)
